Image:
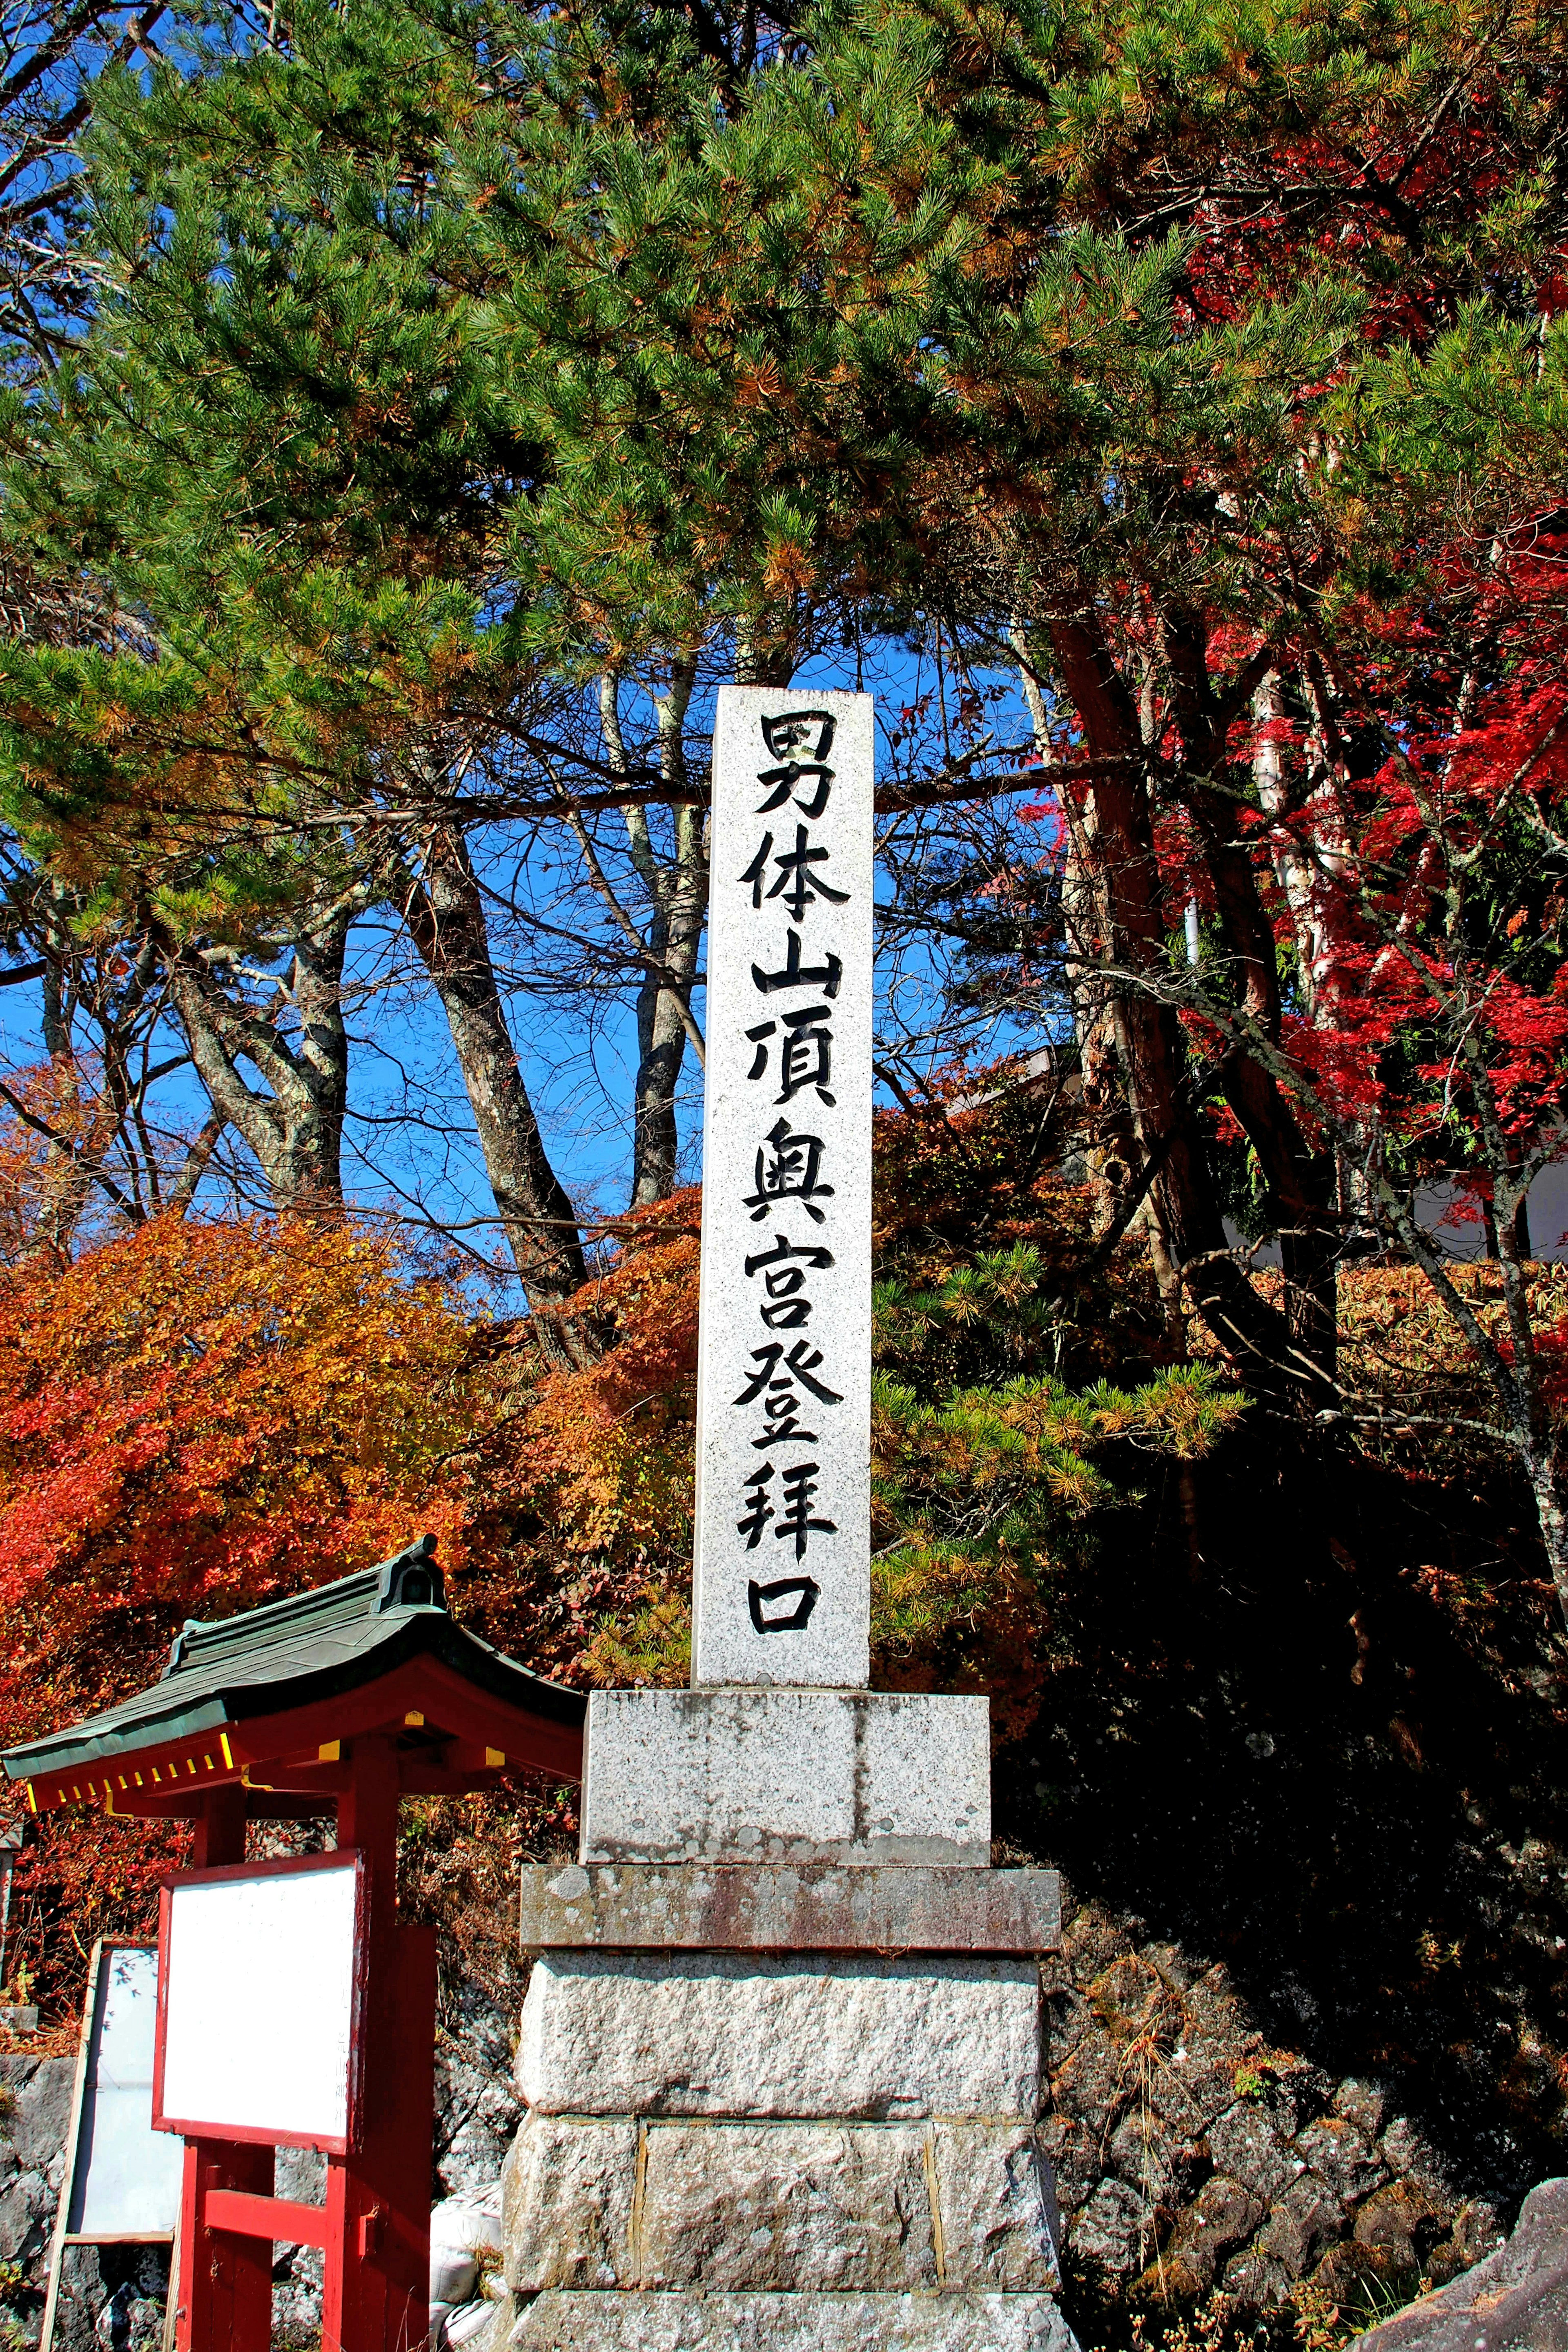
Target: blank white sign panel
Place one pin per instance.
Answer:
(260, 2015)
(127, 2176)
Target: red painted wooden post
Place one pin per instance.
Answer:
(378, 2200)
(224, 2284)
(225, 2280)
(377, 2221)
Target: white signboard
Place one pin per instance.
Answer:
(126, 2178)
(262, 1982)
(783, 1554)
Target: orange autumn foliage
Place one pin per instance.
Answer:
(613, 1444)
(589, 1489)
(197, 1417)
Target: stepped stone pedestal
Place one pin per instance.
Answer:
(781, 2047)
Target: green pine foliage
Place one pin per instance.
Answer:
(986, 1485)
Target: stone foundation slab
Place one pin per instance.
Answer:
(997, 2213)
(569, 2193)
(794, 1907)
(792, 2322)
(592, 2203)
(759, 2036)
(778, 1775)
(807, 2207)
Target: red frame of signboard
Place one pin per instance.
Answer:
(210, 2127)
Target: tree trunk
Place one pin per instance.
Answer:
(1120, 823)
(1552, 1514)
(77, 1160)
(444, 913)
(296, 1131)
(1111, 1154)
(678, 905)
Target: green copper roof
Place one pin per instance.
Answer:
(293, 1654)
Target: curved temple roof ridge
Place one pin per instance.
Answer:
(410, 1579)
(323, 1653)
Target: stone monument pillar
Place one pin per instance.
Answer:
(781, 2048)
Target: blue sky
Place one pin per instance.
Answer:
(410, 1149)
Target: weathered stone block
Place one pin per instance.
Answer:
(1222, 2218)
(1363, 2104)
(1333, 2148)
(716, 2033)
(1114, 2229)
(1146, 2155)
(1129, 1997)
(1307, 2217)
(568, 2191)
(1256, 2280)
(1246, 2143)
(1091, 2081)
(1198, 2081)
(797, 2207)
(787, 1776)
(793, 2323)
(1350, 2272)
(790, 1907)
(1406, 2151)
(1390, 2220)
(994, 2203)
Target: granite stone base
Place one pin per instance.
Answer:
(808, 2206)
(807, 1906)
(757, 2034)
(838, 1776)
(564, 2322)
(782, 2043)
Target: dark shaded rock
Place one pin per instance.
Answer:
(1094, 2083)
(1130, 1997)
(1246, 2143)
(1334, 2150)
(111, 2298)
(478, 2109)
(1146, 2157)
(1477, 2232)
(1256, 2280)
(1067, 2017)
(1400, 2221)
(1364, 2104)
(1406, 2151)
(1114, 2229)
(1307, 2217)
(1350, 2273)
(1515, 2301)
(1221, 2218)
(297, 2271)
(1090, 1942)
(1174, 1965)
(1072, 2149)
(1193, 2077)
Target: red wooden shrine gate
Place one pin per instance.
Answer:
(341, 1700)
